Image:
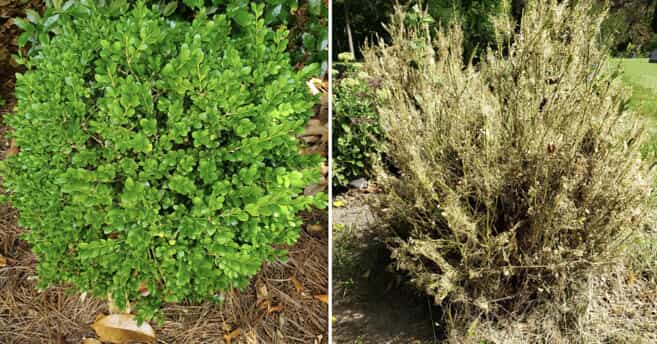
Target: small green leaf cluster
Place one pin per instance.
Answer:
(306, 19)
(356, 131)
(158, 160)
(36, 28)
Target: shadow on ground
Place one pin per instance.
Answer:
(371, 304)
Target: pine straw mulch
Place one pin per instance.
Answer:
(55, 316)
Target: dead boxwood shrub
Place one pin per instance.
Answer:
(513, 179)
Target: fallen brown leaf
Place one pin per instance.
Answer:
(123, 329)
(264, 305)
(233, 335)
(261, 292)
(297, 285)
(262, 295)
(315, 228)
(323, 298)
(3, 261)
(13, 148)
(276, 308)
(90, 341)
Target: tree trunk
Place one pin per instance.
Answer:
(349, 36)
(654, 20)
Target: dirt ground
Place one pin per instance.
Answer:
(55, 316)
(370, 303)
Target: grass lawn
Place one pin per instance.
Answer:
(641, 76)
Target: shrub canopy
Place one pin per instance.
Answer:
(158, 159)
(513, 179)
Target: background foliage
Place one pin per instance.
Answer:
(631, 24)
(356, 131)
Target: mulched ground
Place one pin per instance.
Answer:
(55, 316)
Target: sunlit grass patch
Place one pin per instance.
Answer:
(641, 76)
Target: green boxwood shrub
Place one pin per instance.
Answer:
(158, 159)
(356, 131)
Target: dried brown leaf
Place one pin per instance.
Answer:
(123, 329)
(262, 295)
(232, 335)
(13, 148)
(276, 308)
(90, 341)
(297, 285)
(316, 228)
(322, 297)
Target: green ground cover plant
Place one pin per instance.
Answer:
(158, 159)
(516, 179)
